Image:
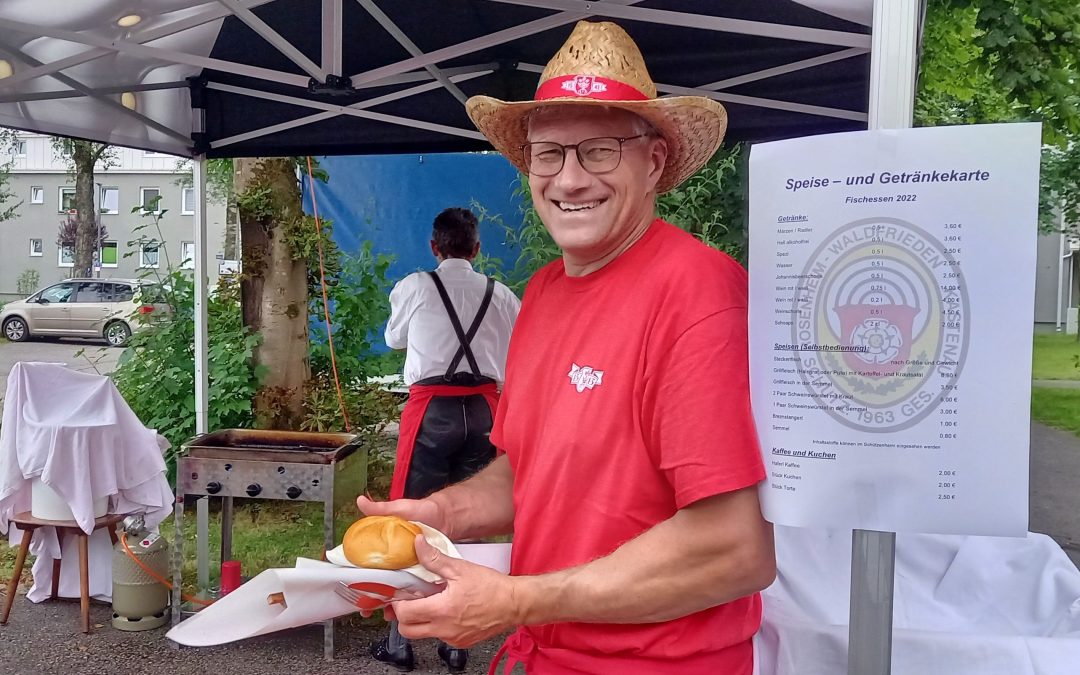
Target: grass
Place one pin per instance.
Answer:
(265, 535)
(1055, 357)
(1056, 407)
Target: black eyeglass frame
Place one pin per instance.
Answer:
(576, 146)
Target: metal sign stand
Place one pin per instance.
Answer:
(893, 61)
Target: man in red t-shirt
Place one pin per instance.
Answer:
(629, 479)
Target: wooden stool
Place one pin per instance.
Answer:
(28, 523)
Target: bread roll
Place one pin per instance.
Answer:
(381, 542)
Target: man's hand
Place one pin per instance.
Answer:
(477, 604)
(482, 506)
(425, 511)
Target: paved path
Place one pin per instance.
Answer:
(1055, 487)
(44, 639)
(1057, 384)
(97, 358)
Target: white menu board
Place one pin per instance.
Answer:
(892, 281)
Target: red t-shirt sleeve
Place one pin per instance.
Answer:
(696, 410)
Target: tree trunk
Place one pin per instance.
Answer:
(273, 286)
(84, 156)
(230, 233)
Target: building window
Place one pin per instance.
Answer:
(67, 199)
(109, 200)
(65, 257)
(187, 206)
(37, 249)
(187, 253)
(108, 254)
(19, 147)
(37, 195)
(150, 199)
(148, 255)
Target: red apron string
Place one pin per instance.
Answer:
(517, 648)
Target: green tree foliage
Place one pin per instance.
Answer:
(711, 204)
(82, 158)
(156, 372)
(1032, 48)
(8, 206)
(359, 306)
(1005, 61)
(358, 295)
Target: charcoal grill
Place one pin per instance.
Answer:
(282, 465)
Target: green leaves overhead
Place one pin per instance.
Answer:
(1006, 61)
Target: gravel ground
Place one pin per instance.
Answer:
(44, 639)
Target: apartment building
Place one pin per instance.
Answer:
(133, 244)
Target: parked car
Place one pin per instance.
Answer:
(88, 308)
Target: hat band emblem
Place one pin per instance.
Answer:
(588, 86)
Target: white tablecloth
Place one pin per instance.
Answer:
(77, 434)
(962, 606)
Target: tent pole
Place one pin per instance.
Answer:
(893, 63)
(202, 506)
(201, 371)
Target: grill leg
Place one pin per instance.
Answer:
(328, 542)
(226, 528)
(177, 559)
(202, 545)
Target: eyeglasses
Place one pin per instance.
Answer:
(595, 155)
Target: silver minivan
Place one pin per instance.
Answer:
(88, 308)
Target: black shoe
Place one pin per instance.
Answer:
(455, 659)
(403, 660)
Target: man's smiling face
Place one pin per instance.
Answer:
(591, 216)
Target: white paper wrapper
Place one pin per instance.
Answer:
(437, 539)
(309, 595)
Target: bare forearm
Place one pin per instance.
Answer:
(482, 506)
(683, 565)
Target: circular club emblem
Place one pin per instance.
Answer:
(881, 324)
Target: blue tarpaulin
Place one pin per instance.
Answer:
(391, 200)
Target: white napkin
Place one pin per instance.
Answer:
(309, 597)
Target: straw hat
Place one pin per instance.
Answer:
(600, 65)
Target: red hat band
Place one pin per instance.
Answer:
(588, 86)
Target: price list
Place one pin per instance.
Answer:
(887, 383)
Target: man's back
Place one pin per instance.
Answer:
(419, 322)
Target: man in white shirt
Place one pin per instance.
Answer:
(454, 324)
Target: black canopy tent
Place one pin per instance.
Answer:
(830, 96)
(231, 78)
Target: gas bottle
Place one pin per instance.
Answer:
(140, 602)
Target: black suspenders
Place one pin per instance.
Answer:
(464, 350)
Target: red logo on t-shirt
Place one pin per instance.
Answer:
(584, 377)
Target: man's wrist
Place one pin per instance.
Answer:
(535, 599)
(445, 510)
